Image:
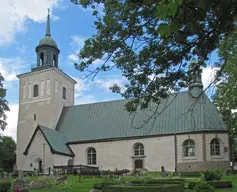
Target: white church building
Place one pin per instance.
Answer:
(52, 131)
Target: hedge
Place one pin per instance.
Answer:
(188, 174)
(127, 188)
(216, 184)
(5, 186)
(159, 181)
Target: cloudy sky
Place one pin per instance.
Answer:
(23, 25)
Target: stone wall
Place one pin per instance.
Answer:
(159, 151)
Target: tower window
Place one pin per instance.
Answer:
(34, 117)
(54, 61)
(41, 59)
(64, 93)
(36, 90)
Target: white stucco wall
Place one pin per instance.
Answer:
(159, 151)
(39, 149)
(224, 142)
(61, 160)
(197, 138)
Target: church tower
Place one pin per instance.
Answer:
(44, 91)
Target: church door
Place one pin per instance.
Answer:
(138, 164)
(40, 166)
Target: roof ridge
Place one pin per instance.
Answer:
(100, 102)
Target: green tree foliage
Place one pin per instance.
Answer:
(152, 42)
(3, 105)
(7, 153)
(225, 97)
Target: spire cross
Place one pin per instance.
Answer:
(48, 11)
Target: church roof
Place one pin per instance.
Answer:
(55, 140)
(179, 113)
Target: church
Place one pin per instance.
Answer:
(187, 133)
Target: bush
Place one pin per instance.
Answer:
(210, 174)
(216, 184)
(204, 187)
(5, 186)
(150, 188)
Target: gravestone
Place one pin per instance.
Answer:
(20, 175)
(36, 184)
(61, 180)
(18, 184)
(137, 176)
(163, 172)
(10, 176)
(95, 190)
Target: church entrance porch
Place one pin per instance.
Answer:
(38, 163)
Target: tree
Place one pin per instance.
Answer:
(7, 153)
(152, 42)
(3, 105)
(225, 97)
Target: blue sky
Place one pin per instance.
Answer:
(23, 25)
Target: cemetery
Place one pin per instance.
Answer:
(120, 181)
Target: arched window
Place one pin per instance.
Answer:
(54, 61)
(215, 147)
(91, 156)
(189, 148)
(41, 59)
(64, 93)
(36, 90)
(138, 149)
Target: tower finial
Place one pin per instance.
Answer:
(48, 25)
(195, 79)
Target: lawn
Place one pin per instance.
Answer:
(87, 184)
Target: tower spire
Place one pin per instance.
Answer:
(195, 81)
(48, 25)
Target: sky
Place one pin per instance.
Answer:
(23, 24)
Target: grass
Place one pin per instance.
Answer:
(87, 184)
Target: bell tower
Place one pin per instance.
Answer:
(47, 50)
(44, 91)
(195, 83)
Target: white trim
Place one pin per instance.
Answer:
(189, 158)
(36, 100)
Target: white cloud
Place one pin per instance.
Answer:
(21, 49)
(80, 86)
(84, 99)
(78, 41)
(208, 75)
(12, 117)
(9, 68)
(14, 14)
(107, 83)
(73, 57)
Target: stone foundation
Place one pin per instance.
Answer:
(198, 166)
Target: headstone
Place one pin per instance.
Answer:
(163, 172)
(20, 175)
(95, 190)
(10, 176)
(62, 180)
(36, 184)
(18, 184)
(137, 176)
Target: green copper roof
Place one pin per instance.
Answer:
(109, 120)
(47, 39)
(56, 140)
